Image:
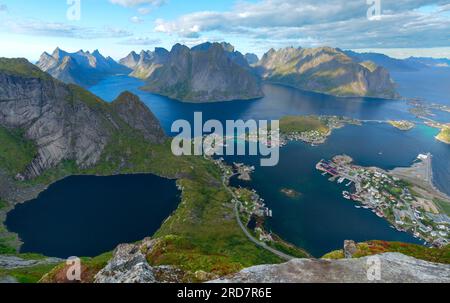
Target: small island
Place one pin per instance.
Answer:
(402, 124)
(444, 135)
(312, 129)
(291, 193)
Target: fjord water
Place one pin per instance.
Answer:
(88, 215)
(320, 220)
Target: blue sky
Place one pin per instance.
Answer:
(115, 27)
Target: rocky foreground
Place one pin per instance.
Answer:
(395, 268)
(129, 265)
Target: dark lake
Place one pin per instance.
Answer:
(88, 215)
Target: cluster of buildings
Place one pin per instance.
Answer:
(389, 197)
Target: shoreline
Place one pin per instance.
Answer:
(409, 208)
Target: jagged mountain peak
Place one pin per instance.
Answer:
(85, 68)
(326, 70)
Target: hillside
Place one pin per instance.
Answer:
(66, 122)
(326, 70)
(54, 130)
(205, 73)
(81, 68)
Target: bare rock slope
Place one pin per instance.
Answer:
(205, 73)
(394, 268)
(326, 70)
(65, 122)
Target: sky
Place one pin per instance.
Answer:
(399, 28)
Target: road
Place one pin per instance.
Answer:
(244, 229)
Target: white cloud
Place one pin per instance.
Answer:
(36, 27)
(144, 10)
(136, 19)
(340, 23)
(133, 3)
(141, 41)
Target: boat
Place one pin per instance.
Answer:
(346, 195)
(357, 206)
(349, 183)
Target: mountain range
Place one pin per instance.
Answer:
(212, 72)
(208, 72)
(326, 70)
(81, 68)
(401, 65)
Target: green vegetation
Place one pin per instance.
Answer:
(287, 248)
(16, 152)
(299, 124)
(3, 204)
(402, 125)
(28, 274)
(437, 255)
(369, 65)
(443, 206)
(21, 67)
(5, 246)
(202, 234)
(207, 235)
(89, 268)
(444, 135)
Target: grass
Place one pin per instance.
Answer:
(437, 255)
(16, 152)
(3, 204)
(443, 206)
(29, 274)
(291, 124)
(89, 268)
(444, 135)
(202, 234)
(21, 67)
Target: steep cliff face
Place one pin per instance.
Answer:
(144, 64)
(206, 73)
(251, 58)
(81, 68)
(65, 121)
(326, 70)
(137, 115)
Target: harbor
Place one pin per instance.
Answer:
(407, 207)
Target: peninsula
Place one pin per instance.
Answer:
(406, 197)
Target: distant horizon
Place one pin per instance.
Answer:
(397, 29)
(397, 53)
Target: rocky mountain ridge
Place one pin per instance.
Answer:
(81, 68)
(144, 64)
(205, 73)
(66, 122)
(326, 70)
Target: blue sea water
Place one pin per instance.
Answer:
(321, 219)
